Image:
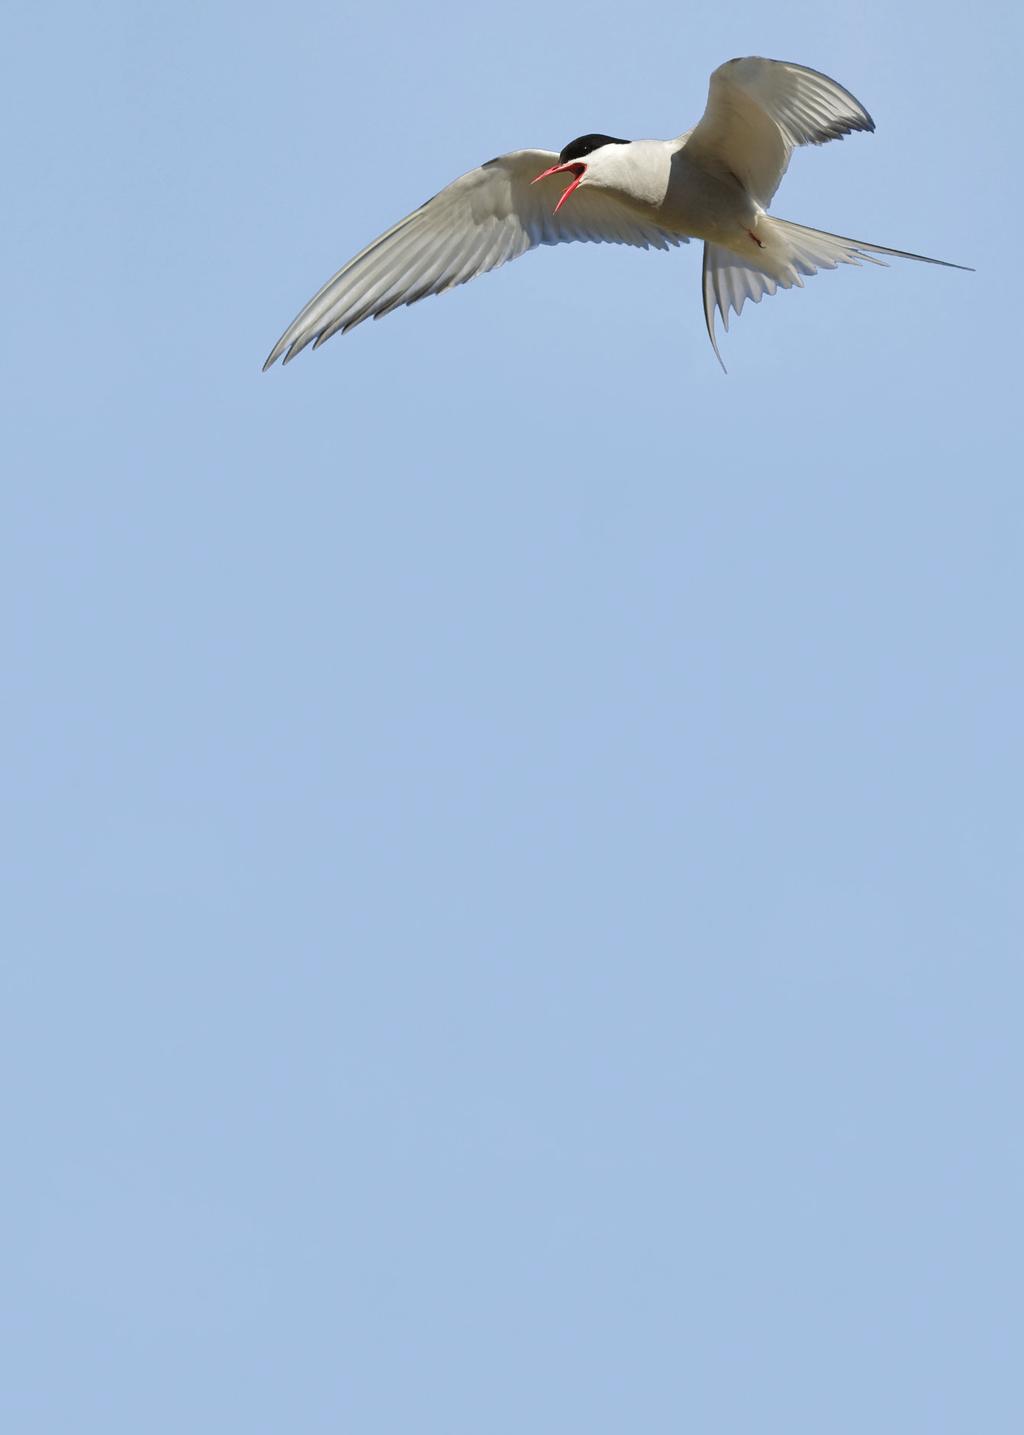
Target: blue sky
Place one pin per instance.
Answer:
(512, 838)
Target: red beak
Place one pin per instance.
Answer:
(576, 169)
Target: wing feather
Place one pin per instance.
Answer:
(758, 111)
(479, 222)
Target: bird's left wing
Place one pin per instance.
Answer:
(480, 221)
(759, 110)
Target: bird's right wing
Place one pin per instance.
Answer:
(480, 221)
(759, 110)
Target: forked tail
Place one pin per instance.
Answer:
(789, 252)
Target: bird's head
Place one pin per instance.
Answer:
(587, 157)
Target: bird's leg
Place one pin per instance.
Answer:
(759, 242)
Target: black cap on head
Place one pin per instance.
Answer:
(586, 144)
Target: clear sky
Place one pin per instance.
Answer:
(512, 838)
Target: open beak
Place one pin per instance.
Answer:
(576, 169)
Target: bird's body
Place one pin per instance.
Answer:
(713, 183)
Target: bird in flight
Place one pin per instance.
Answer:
(713, 183)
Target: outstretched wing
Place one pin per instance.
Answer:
(758, 111)
(480, 221)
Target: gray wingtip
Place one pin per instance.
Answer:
(273, 356)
